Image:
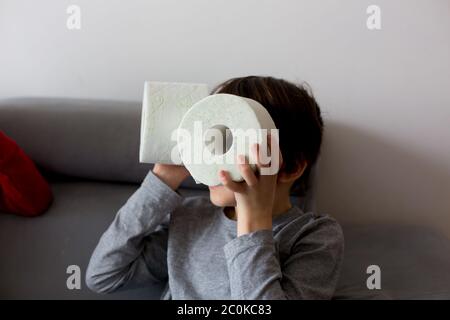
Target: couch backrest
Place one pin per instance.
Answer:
(93, 139)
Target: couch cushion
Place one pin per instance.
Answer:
(36, 252)
(414, 262)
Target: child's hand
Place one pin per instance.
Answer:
(254, 196)
(171, 175)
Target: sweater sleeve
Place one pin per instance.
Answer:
(133, 250)
(310, 271)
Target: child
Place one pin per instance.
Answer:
(247, 241)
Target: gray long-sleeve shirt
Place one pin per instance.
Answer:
(192, 246)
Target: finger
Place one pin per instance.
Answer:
(275, 147)
(228, 183)
(269, 171)
(257, 153)
(246, 171)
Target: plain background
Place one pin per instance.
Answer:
(385, 94)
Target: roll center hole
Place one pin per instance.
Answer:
(218, 139)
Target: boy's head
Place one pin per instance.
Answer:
(297, 116)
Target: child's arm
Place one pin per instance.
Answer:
(133, 250)
(311, 270)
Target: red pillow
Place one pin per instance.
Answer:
(23, 190)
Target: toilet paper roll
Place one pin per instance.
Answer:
(163, 106)
(200, 150)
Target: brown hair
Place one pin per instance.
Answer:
(295, 113)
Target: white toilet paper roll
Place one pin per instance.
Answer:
(163, 106)
(216, 113)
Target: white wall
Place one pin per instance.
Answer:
(385, 94)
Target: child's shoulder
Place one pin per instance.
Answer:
(307, 220)
(317, 221)
(323, 224)
(312, 227)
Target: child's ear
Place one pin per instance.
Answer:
(287, 177)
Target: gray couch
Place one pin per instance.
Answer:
(88, 150)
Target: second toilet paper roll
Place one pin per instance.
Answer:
(238, 119)
(163, 106)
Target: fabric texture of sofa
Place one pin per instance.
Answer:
(88, 150)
